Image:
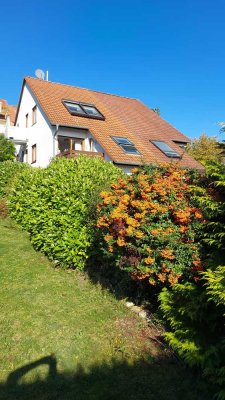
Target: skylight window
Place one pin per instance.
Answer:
(91, 110)
(165, 148)
(126, 145)
(182, 145)
(74, 108)
(83, 110)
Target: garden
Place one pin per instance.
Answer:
(156, 238)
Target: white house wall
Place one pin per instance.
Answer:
(40, 133)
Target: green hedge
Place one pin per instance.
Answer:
(196, 310)
(196, 314)
(9, 170)
(57, 206)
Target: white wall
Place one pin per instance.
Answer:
(39, 133)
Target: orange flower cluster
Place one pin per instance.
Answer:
(148, 217)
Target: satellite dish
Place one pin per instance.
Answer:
(40, 74)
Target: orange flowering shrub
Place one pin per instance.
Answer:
(149, 225)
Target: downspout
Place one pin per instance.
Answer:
(54, 136)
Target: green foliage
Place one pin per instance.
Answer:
(210, 197)
(196, 311)
(196, 314)
(9, 170)
(150, 225)
(7, 149)
(205, 148)
(56, 206)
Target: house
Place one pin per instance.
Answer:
(7, 122)
(7, 116)
(58, 119)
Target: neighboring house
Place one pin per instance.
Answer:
(7, 117)
(59, 119)
(7, 128)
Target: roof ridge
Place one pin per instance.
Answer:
(78, 87)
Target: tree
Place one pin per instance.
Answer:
(206, 148)
(156, 110)
(7, 149)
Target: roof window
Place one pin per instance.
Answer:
(182, 145)
(83, 109)
(126, 145)
(165, 148)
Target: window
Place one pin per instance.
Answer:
(83, 109)
(182, 145)
(66, 144)
(126, 145)
(165, 148)
(26, 118)
(34, 115)
(34, 153)
(74, 108)
(90, 110)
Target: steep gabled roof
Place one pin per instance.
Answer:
(124, 117)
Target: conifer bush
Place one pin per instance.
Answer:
(57, 206)
(149, 224)
(196, 313)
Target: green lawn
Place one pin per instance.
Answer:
(101, 349)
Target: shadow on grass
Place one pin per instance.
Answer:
(119, 381)
(120, 283)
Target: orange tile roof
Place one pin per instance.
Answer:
(9, 110)
(125, 117)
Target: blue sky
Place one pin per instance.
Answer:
(168, 53)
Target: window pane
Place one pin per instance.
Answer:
(63, 144)
(91, 111)
(121, 140)
(130, 149)
(165, 148)
(162, 145)
(73, 107)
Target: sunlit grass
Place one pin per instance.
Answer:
(45, 311)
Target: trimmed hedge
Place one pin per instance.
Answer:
(57, 205)
(9, 170)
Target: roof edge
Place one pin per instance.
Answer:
(79, 87)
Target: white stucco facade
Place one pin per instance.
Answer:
(39, 133)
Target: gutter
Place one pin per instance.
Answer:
(54, 136)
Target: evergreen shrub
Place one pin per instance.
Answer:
(196, 310)
(57, 206)
(9, 170)
(196, 313)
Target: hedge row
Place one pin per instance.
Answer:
(9, 170)
(56, 205)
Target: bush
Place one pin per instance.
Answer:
(150, 225)
(7, 149)
(210, 196)
(8, 172)
(57, 206)
(196, 313)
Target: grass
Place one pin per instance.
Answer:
(101, 349)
